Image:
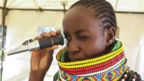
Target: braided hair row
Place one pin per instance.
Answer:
(103, 11)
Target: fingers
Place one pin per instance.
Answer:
(47, 34)
(53, 47)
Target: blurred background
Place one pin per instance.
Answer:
(22, 20)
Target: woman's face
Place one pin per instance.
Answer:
(86, 39)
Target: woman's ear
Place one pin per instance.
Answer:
(110, 33)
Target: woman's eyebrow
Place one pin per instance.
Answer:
(81, 31)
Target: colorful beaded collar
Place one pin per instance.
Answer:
(108, 67)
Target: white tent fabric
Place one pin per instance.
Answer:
(23, 25)
(0, 16)
(119, 5)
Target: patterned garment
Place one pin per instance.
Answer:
(109, 67)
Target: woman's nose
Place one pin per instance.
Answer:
(73, 46)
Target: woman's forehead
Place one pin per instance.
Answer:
(79, 15)
(80, 11)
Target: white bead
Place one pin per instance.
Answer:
(123, 80)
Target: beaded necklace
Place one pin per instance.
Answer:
(109, 67)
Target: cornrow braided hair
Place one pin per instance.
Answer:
(104, 11)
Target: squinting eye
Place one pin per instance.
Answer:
(84, 37)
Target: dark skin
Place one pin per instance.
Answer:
(86, 39)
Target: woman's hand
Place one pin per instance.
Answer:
(41, 59)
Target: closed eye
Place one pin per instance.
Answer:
(84, 37)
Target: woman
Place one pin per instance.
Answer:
(92, 52)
